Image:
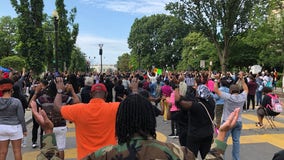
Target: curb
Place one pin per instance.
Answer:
(28, 121)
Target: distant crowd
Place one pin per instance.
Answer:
(197, 103)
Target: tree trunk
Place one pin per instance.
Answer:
(223, 60)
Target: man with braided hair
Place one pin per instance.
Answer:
(136, 133)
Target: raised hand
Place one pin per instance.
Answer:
(231, 121)
(42, 118)
(229, 124)
(59, 83)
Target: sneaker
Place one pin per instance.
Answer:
(23, 145)
(171, 135)
(34, 145)
(176, 136)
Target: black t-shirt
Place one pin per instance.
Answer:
(200, 124)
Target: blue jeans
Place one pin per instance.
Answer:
(258, 97)
(236, 134)
(153, 87)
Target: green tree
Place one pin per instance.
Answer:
(243, 55)
(266, 37)
(8, 30)
(157, 40)
(196, 48)
(66, 36)
(123, 63)
(49, 37)
(14, 62)
(25, 28)
(31, 42)
(220, 21)
(78, 61)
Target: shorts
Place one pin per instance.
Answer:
(11, 132)
(60, 135)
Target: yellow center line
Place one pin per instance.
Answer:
(71, 153)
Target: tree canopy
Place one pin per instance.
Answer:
(196, 48)
(8, 36)
(158, 40)
(220, 21)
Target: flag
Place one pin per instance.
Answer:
(155, 70)
(159, 71)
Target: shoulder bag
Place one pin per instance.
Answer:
(215, 130)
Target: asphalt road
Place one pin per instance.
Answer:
(256, 143)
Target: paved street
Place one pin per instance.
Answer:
(256, 143)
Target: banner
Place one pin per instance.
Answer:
(4, 69)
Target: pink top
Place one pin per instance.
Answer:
(210, 85)
(171, 100)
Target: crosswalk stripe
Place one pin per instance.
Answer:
(254, 119)
(273, 139)
(71, 153)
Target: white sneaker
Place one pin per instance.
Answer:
(34, 145)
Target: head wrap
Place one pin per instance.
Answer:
(203, 92)
(6, 86)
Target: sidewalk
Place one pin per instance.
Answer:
(28, 116)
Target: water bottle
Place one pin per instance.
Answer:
(24, 142)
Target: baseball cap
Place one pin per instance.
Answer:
(98, 87)
(89, 81)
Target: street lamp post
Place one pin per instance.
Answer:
(56, 18)
(101, 54)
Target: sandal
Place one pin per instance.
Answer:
(258, 124)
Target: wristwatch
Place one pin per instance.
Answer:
(59, 91)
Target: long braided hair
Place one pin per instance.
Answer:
(135, 115)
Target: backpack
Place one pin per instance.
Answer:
(275, 103)
(269, 84)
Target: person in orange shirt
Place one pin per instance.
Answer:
(95, 121)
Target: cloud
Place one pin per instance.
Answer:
(144, 7)
(112, 48)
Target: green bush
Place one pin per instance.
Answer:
(279, 81)
(15, 62)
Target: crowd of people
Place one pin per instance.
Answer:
(115, 113)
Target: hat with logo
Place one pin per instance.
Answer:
(98, 87)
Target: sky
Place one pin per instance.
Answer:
(106, 22)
